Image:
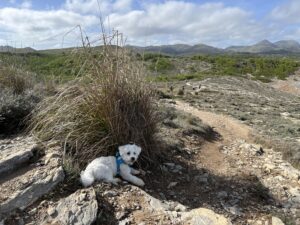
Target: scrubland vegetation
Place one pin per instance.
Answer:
(263, 68)
(66, 65)
(93, 100)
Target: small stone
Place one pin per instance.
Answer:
(235, 210)
(180, 208)
(222, 194)
(276, 221)
(110, 193)
(178, 167)
(120, 215)
(172, 184)
(51, 211)
(201, 179)
(33, 211)
(124, 222)
(172, 165)
(269, 167)
(163, 197)
(165, 169)
(172, 193)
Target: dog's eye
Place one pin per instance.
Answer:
(128, 153)
(134, 153)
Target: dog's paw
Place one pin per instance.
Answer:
(142, 172)
(140, 183)
(135, 172)
(116, 181)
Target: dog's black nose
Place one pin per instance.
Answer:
(132, 158)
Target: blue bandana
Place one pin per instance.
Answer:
(119, 161)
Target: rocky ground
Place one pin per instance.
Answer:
(214, 172)
(274, 114)
(290, 85)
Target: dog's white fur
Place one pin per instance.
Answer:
(105, 168)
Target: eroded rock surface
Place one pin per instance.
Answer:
(279, 177)
(21, 187)
(14, 153)
(79, 208)
(136, 206)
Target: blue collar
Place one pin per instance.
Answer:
(119, 161)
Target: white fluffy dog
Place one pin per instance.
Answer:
(106, 168)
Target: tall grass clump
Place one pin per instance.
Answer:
(108, 105)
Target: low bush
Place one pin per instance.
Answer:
(14, 109)
(161, 65)
(17, 99)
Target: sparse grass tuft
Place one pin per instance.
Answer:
(110, 105)
(15, 80)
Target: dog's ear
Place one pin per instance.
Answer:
(122, 149)
(139, 149)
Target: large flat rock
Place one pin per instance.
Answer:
(23, 187)
(203, 216)
(79, 208)
(15, 153)
(146, 209)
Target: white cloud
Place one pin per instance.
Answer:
(26, 4)
(288, 12)
(122, 5)
(97, 6)
(188, 22)
(88, 6)
(39, 26)
(148, 22)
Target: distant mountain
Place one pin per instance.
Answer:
(8, 48)
(289, 45)
(179, 49)
(265, 46)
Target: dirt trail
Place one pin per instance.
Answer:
(230, 130)
(237, 155)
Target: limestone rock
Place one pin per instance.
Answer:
(79, 208)
(177, 213)
(276, 221)
(202, 216)
(20, 190)
(13, 155)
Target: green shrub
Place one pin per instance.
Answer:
(264, 68)
(161, 65)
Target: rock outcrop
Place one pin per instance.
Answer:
(21, 187)
(14, 153)
(145, 209)
(79, 208)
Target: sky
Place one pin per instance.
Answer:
(221, 23)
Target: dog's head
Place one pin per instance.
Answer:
(129, 153)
